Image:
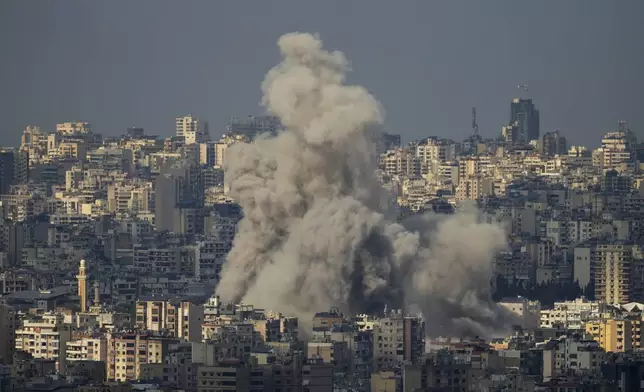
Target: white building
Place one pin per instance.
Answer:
(87, 349)
(192, 129)
(72, 128)
(45, 337)
(571, 314)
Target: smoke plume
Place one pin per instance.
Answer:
(318, 228)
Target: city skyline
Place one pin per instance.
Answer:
(306, 250)
(581, 79)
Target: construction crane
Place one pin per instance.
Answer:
(475, 126)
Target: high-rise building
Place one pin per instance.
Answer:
(553, 143)
(134, 350)
(7, 167)
(8, 325)
(524, 113)
(252, 126)
(617, 274)
(181, 189)
(617, 148)
(14, 168)
(213, 153)
(511, 134)
(407, 335)
(192, 129)
(34, 143)
(180, 318)
(400, 162)
(615, 335)
(135, 132)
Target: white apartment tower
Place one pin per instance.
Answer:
(192, 129)
(617, 148)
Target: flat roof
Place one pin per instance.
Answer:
(40, 295)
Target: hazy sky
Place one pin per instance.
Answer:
(124, 63)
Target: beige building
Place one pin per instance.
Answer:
(618, 276)
(126, 352)
(192, 129)
(397, 339)
(68, 150)
(528, 312)
(617, 150)
(469, 167)
(331, 352)
(182, 319)
(473, 188)
(122, 198)
(45, 337)
(84, 347)
(34, 143)
(400, 162)
(73, 128)
(385, 381)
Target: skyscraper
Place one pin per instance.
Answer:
(177, 190)
(7, 170)
(526, 116)
(553, 143)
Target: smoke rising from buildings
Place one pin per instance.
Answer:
(318, 228)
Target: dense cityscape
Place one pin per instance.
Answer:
(141, 262)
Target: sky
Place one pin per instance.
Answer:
(144, 63)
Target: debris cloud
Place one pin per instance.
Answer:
(319, 229)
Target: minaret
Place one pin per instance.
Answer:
(82, 286)
(97, 294)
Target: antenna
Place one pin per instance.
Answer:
(475, 126)
(622, 125)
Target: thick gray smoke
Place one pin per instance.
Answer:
(318, 231)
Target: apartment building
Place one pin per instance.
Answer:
(615, 335)
(9, 323)
(527, 312)
(46, 337)
(397, 338)
(126, 352)
(617, 274)
(180, 318)
(192, 129)
(85, 347)
(73, 128)
(571, 314)
(122, 198)
(571, 353)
